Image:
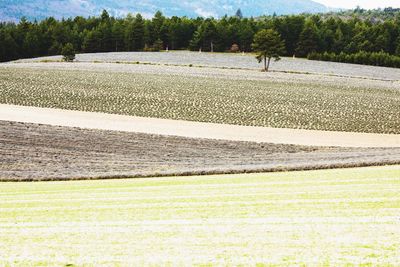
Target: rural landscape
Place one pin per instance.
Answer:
(209, 140)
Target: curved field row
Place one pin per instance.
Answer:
(33, 152)
(227, 60)
(278, 103)
(102, 121)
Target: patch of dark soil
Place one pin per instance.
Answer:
(30, 152)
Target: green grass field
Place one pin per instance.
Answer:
(329, 218)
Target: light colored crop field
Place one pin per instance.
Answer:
(317, 218)
(286, 102)
(235, 61)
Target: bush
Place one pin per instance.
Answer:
(235, 48)
(68, 52)
(158, 45)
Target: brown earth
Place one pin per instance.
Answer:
(33, 152)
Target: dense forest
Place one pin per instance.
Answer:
(320, 36)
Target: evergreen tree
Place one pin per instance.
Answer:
(204, 38)
(290, 28)
(398, 47)
(117, 31)
(105, 17)
(239, 14)
(128, 32)
(245, 36)
(92, 42)
(309, 40)
(370, 37)
(158, 45)
(68, 52)
(338, 41)
(268, 44)
(138, 31)
(8, 46)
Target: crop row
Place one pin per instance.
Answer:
(235, 61)
(244, 102)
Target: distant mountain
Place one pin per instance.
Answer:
(13, 10)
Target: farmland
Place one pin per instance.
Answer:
(314, 218)
(331, 218)
(314, 102)
(364, 101)
(32, 152)
(236, 61)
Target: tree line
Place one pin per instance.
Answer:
(303, 35)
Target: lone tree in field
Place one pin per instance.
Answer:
(68, 52)
(268, 44)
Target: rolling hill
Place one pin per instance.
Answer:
(13, 10)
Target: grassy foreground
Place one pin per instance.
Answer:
(332, 217)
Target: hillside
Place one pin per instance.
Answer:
(13, 10)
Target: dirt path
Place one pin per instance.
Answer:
(102, 121)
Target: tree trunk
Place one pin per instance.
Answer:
(269, 61)
(265, 64)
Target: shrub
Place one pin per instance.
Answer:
(68, 52)
(158, 45)
(235, 48)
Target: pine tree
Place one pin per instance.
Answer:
(268, 44)
(309, 40)
(398, 47)
(246, 35)
(138, 31)
(117, 36)
(239, 14)
(68, 52)
(205, 37)
(158, 45)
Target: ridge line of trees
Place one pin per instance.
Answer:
(313, 36)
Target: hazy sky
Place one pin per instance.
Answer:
(362, 3)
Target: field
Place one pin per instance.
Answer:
(207, 95)
(315, 218)
(235, 61)
(365, 100)
(39, 152)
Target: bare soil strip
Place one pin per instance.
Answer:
(32, 152)
(102, 121)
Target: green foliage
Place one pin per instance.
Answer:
(349, 32)
(398, 47)
(134, 33)
(239, 14)
(309, 39)
(268, 44)
(68, 52)
(205, 37)
(158, 45)
(363, 58)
